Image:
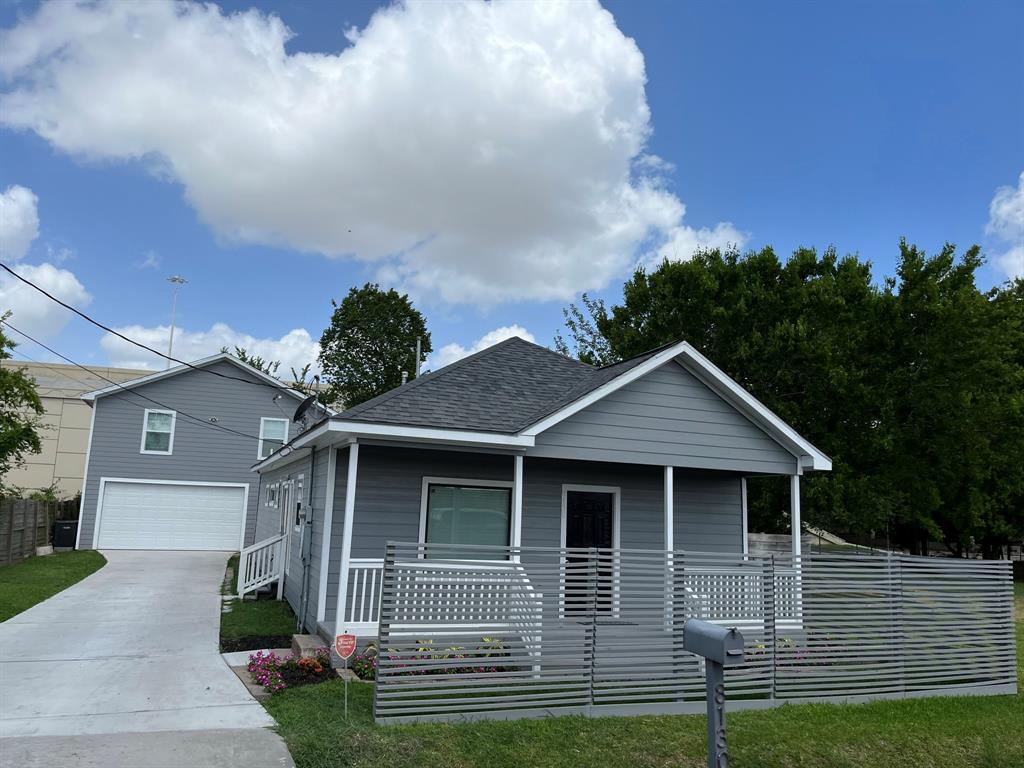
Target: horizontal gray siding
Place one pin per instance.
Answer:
(390, 484)
(668, 417)
(314, 470)
(708, 511)
(202, 452)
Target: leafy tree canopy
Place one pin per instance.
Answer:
(371, 343)
(914, 387)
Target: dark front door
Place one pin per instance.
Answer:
(589, 521)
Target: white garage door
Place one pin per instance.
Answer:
(160, 516)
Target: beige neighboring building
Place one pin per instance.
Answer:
(65, 424)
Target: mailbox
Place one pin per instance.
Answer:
(722, 648)
(718, 644)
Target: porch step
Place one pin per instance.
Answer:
(306, 645)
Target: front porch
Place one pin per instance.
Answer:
(487, 499)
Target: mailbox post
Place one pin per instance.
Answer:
(720, 648)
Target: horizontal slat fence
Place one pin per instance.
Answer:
(26, 524)
(483, 632)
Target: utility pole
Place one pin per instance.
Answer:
(177, 281)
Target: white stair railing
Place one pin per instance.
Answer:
(262, 563)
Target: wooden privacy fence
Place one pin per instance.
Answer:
(26, 524)
(483, 632)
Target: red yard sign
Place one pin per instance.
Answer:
(345, 645)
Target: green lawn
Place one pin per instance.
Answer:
(254, 618)
(31, 581)
(954, 732)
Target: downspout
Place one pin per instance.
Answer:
(307, 543)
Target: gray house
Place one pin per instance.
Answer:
(168, 459)
(515, 446)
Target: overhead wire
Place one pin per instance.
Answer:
(139, 344)
(197, 419)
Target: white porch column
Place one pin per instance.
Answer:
(743, 508)
(794, 512)
(517, 501)
(325, 537)
(669, 508)
(346, 542)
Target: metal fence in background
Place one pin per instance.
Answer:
(484, 632)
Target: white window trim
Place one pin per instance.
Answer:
(259, 444)
(145, 430)
(473, 483)
(616, 493)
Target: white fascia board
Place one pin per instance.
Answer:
(639, 371)
(721, 382)
(333, 432)
(149, 378)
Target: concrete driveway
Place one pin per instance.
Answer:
(123, 669)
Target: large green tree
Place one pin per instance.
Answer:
(20, 409)
(894, 381)
(370, 344)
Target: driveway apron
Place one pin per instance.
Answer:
(132, 652)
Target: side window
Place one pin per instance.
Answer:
(273, 434)
(158, 431)
(297, 502)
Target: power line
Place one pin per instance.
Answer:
(139, 344)
(201, 421)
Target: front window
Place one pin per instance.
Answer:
(273, 434)
(158, 431)
(464, 514)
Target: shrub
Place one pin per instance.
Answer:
(275, 673)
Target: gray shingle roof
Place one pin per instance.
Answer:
(504, 388)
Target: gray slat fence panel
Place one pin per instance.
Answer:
(484, 632)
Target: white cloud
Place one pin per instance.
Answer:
(683, 242)
(474, 152)
(19, 222)
(32, 312)
(1006, 224)
(293, 350)
(449, 353)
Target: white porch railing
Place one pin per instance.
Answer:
(262, 563)
(363, 604)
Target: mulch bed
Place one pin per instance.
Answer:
(255, 643)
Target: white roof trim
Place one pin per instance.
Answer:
(715, 378)
(340, 431)
(149, 378)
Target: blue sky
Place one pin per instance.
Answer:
(493, 187)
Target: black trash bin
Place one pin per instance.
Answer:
(64, 534)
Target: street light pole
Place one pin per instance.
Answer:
(177, 281)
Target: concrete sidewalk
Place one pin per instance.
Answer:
(129, 656)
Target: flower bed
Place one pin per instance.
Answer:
(276, 673)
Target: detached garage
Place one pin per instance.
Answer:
(135, 514)
(169, 454)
